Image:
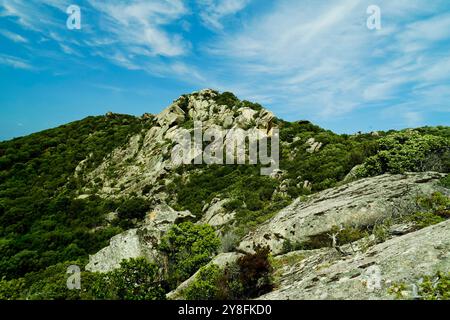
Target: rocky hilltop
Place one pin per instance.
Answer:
(361, 216)
(145, 162)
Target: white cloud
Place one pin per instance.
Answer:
(140, 25)
(304, 58)
(319, 58)
(14, 62)
(213, 11)
(13, 36)
(32, 15)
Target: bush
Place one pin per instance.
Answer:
(436, 287)
(227, 99)
(435, 209)
(12, 289)
(249, 277)
(408, 151)
(445, 182)
(188, 247)
(137, 279)
(425, 219)
(255, 273)
(233, 204)
(134, 208)
(205, 286)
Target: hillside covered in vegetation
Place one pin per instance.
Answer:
(65, 192)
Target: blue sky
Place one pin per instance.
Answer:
(302, 59)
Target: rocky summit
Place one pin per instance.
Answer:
(363, 216)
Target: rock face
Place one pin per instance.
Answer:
(365, 275)
(360, 203)
(145, 162)
(216, 215)
(314, 146)
(140, 242)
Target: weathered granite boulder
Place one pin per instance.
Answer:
(360, 203)
(314, 146)
(324, 274)
(216, 214)
(139, 242)
(171, 115)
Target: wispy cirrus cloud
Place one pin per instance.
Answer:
(304, 59)
(13, 36)
(15, 62)
(129, 34)
(139, 25)
(214, 11)
(319, 59)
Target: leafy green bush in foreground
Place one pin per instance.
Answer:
(188, 247)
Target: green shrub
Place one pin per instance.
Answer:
(233, 204)
(188, 247)
(425, 219)
(408, 151)
(349, 234)
(188, 124)
(288, 246)
(437, 202)
(251, 105)
(205, 285)
(436, 287)
(134, 208)
(227, 99)
(445, 182)
(12, 289)
(381, 231)
(435, 209)
(137, 279)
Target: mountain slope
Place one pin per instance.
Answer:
(66, 191)
(41, 222)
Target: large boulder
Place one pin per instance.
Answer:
(360, 203)
(370, 274)
(139, 242)
(216, 214)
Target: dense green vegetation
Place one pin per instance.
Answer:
(256, 198)
(409, 151)
(45, 226)
(41, 221)
(435, 287)
(136, 279)
(230, 100)
(188, 247)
